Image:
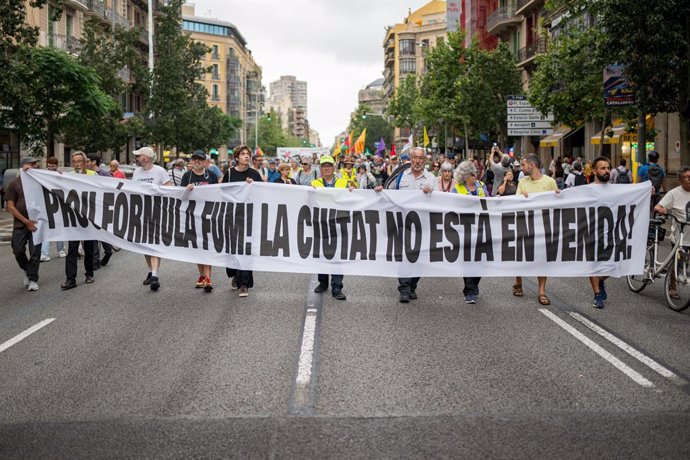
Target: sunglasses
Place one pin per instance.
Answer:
(437, 166)
(305, 164)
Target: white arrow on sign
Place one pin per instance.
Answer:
(529, 124)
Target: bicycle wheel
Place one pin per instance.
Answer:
(678, 276)
(637, 283)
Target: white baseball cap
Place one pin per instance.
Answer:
(146, 151)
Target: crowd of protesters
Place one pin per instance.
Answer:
(499, 175)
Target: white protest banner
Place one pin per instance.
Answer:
(586, 230)
(285, 153)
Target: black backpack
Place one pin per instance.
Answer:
(580, 179)
(656, 176)
(623, 177)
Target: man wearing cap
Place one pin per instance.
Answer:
(328, 180)
(200, 175)
(241, 172)
(272, 173)
(413, 178)
(150, 173)
(23, 228)
(348, 172)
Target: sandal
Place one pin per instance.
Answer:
(543, 300)
(517, 290)
(672, 293)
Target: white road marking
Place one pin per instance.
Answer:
(644, 359)
(306, 354)
(617, 363)
(18, 338)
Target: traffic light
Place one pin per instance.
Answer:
(268, 117)
(364, 115)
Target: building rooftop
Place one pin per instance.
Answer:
(378, 83)
(217, 22)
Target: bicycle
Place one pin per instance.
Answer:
(653, 268)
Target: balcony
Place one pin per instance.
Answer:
(215, 98)
(95, 8)
(524, 6)
(81, 5)
(143, 36)
(117, 20)
(527, 54)
(215, 76)
(69, 44)
(502, 20)
(124, 74)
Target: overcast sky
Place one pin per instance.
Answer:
(334, 45)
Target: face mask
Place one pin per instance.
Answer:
(604, 178)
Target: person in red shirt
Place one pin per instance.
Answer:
(115, 170)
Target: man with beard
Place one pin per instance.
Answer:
(413, 178)
(499, 169)
(241, 172)
(601, 167)
(150, 173)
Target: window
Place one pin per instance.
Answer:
(408, 66)
(215, 72)
(407, 47)
(69, 25)
(214, 52)
(214, 93)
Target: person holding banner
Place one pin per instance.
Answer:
(534, 182)
(413, 178)
(348, 172)
(79, 164)
(307, 174)
(241, 172)
(151, 174)
(469, 185)
(23, 228)
(200, 175)
(284, 170)
(446, 181)
(601, 167)
(328, 180)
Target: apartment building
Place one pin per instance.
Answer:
(234, 83)
(288, 99)
(405, 45)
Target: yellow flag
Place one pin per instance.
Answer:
(336, 150)
(359, 144)
(426, 138)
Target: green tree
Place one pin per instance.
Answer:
(58, 95)
(489, 77)
(403, 106)
(272, 135)
(177, 99)
(376, 125)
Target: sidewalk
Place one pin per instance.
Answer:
(6, 220)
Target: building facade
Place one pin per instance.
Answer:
(405, 45)
(288, 99)
(373, 97)
(234, 83)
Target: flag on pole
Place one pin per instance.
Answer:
(336, 150)
(426, 138)
(381, 148)
(392, 150)
(348, 142)
(410, 143)
(359, 144)
(259, 152)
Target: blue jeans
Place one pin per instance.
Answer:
(45, 247)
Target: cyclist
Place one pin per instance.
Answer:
(677, 202)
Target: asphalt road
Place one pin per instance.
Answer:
(121, 371)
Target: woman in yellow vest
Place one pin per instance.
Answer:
(349, 173)
(468, 184)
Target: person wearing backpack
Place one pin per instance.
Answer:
(654, 173)
(576, 176)
(621, 175)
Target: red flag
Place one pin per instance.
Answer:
(392, 150)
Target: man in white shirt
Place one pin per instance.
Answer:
(151, 174)
(413, 178)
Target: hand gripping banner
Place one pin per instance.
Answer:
(586, 230)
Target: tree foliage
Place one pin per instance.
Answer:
(402, 107)
(376, 125)
(272, 135)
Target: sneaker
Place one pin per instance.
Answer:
(470, 299)
(45, 258)
(244, 292)
(62, 254)
(338, 295)
(404, 297)
(598, 301)
(201, 282)
(155, 285)
(208, 286)
(89, 279)
(26, 280)
(233, 284)
(413, 294)
(33, 286)
(321, 288)
(147, 281)
(602, 290)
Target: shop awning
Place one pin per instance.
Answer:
(552, 140)
(620, 134)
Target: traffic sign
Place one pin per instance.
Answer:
(530, 117)
(529, 124)
(518, 104)
(525, 111)
(530, 132)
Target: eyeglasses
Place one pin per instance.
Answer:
(437, 166)
(305, 164)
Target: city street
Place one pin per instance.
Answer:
(119, 371)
